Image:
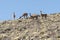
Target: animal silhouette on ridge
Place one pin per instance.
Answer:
(25, 15)
(14, 16)
(34, 16)
(43, 15)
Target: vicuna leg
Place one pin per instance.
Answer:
(45, 16)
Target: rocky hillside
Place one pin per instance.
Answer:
(31, 29)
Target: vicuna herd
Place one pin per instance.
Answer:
(32, 16)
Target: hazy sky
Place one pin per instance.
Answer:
(7, 7)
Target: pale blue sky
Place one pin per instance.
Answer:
(7, 7)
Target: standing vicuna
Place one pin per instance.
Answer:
(25, 15)
(34, 16)
(14, 16)
(43, 15)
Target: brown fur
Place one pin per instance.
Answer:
(25, 15)
(34, 16)
(43, 15)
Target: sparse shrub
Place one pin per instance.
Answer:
(0, 38)
(24, 37)
(20, 29)
(24, 27)
(58, 36)
(58, 30)
(47, 36)
(42, 33)
(3, 32)
(19, 21)
(19, 39)
(8, 29)
(31, 39)
(36, 36)
(3, 22)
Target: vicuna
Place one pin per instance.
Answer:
(25, 15)
(43, 15)
(34, 16)
(14, 15)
